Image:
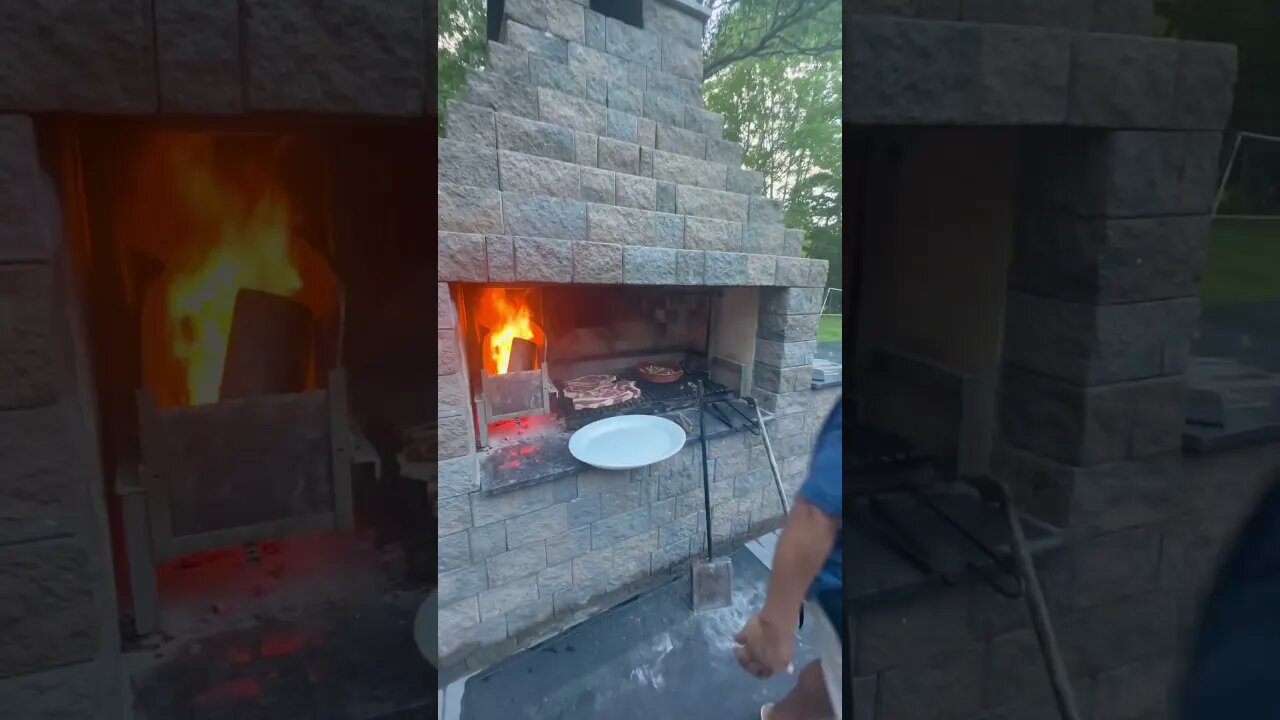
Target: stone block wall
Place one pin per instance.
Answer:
(57, 652)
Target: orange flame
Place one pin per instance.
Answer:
(508, 315)
(217, 226)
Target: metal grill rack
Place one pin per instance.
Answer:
(655, 399)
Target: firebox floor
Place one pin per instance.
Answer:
(649, 658)
(343, 662)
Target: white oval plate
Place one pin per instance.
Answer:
(624, 442)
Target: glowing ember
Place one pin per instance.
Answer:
(508, 316)
(218, 221)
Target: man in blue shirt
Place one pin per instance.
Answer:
(807, 564)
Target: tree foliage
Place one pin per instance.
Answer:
(757, 29)
(462, 45)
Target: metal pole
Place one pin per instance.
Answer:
(1231, 161)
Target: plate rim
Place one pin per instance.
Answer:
(641, 418)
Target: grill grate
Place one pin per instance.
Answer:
(655, 399)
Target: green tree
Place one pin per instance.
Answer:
(755, 29)
(462, 45)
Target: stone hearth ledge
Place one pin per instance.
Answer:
(550, 459)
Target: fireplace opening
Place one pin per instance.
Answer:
(249, 290)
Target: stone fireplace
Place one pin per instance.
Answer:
(211, 249)
(1033, 188)
(582, 181)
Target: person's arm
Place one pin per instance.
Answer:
(803, 546)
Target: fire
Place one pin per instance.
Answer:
(218, 222)
(508, 315)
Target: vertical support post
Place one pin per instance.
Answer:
(340, 450)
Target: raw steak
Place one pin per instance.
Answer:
(610, 394)
(587, 384)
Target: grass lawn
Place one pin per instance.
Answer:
(1243, 262)
(830, 328)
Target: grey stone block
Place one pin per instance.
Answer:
(198, 56)
(793, 300)
(593, 482)
(619, 501)
(684, 170)
(1117, 565)
(454, 515)
(301, 57)
(728, 152)
(598, 186)
(681, 59)
(907, 634)
(538, 525)
(672, 22)
(782, 404)
(451, 396)
(631, 42)
(496, 601)
(532, 137)
(764, 211)
(466, 164)
(595, 85)
(618, 156)
(21, 223)
(1132, 17)
(461, 257)
(793, 243)
(793, 272)
(1129, 173)
(666, 197)
(622, 126)
(446, 352)
(446, 314)
(927, 72)
(703, 122)
(646, 161)
(1110, 261)
(708, 234)
(535, 41)
(649, 266)
(668, 230)
(785, 355)
(1204, 90)
(470, 124)
(511, 63)
(624, 98)
(468, 210)
(597, 263)
(817, 273)
(533, 614)
(462, 583)
(1092, 345)
(726, 268)
(663, 109)
(683, 142)
(602, 64)
(690, 267)
(1137, 690)
(1068, 14)
(1111, 636)
(585, 152)
(571, 112)
(1087, 426)
(744, 182)
(609, 532)
(519, 562)
(762, 239)
(637, 76)
(778, 381)
(716, 204)
(636, 192)
(539, 176)
(570, 545)
(664, 84)
(594, 32)
(40, 488)
(787, 328)
(503, 94)
(620, 225)
(1120, 81)
(452, 552)
(646, 134)
(487, 541)
(74, 691)
(554, 579)
(566, 19)
(502, 259)
(543, 260)
(455, 438)
(761, 269)
(532, 13)
(543, 217)
(548, 73)
(584, 510)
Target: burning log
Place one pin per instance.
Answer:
(524, 355)
(269, 348)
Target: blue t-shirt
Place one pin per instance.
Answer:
(824, 489)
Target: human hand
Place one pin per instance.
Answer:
(765, 647)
